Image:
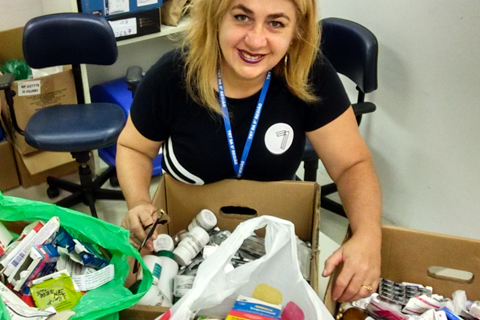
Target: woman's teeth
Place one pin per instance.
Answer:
(252, 57)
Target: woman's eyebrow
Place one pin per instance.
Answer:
(278, 15)
(270, 16)
(243, 8)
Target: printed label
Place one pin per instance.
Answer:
(125, 27)
(29, 88)
(95, 279)
(116, 6)
(141, 3)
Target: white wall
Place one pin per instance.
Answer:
(424, 134)
(16, 13)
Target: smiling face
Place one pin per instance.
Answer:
(254, 36)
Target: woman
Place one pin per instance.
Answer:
(244, 59)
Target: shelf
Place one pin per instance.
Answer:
(164, 31)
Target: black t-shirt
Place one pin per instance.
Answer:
(195, 148)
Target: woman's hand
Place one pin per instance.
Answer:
(361, 267)
(136, 220)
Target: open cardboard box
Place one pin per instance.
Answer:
(8, 168)
(34, 168)
(296, 201)
(447, 263)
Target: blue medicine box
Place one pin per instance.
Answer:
(108, 8)
(116, 91)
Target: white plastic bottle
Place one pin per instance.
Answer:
(169, 271)
(182, 283)
(153, 264)
(163, 242)
(154, 297)
(190, 246)
(205, 219)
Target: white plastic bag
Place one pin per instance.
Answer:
(214, 291)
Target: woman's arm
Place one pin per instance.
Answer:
(134, 169)
(349, 163)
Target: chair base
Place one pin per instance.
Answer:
(88, 191)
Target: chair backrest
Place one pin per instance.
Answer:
(69, 38)
(353, 51)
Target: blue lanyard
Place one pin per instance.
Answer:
(239, 167)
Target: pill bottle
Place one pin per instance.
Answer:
(181, 284)
(190, 246)
(153, 264)
(154, 297)
(180, 236)
(205, 219)
(163, 242)
(169, 271)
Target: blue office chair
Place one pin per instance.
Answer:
(353, 51)
(64, 39)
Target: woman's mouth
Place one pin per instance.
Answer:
(250, 57)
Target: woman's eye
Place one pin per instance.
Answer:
(241, 17)
(277, 24)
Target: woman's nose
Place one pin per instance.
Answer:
(256, 37)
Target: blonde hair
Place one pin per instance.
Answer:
(201, 51)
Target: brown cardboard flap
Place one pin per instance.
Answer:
(11, 41)
(290, 200)
(54, 89)
(43, 160)
(8, 168)
(139, 312)
(408, 254)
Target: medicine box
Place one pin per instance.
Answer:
(446, 263)
(116, 91)
(234, 201)
(128, 18)
(109, 8)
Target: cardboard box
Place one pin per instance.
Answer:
(8, 167)
(296, 201)
(34, 168)
(446, 263)
(136, 24)
(108, 8)
(32, 94)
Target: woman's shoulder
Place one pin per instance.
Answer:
(171, 61)
(322, 67)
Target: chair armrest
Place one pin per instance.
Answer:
(6, 81)
(133, 78)
(363, 107)
(134, 75)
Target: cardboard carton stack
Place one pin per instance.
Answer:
(130, 18)
(59, 88)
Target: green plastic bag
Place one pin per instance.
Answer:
(18, 67)
(105, 301)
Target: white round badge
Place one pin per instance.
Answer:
(279, 138)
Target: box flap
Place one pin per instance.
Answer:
(290, 200)
(11, 41)
(41, 161)
(58, 88)
(408, 254)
